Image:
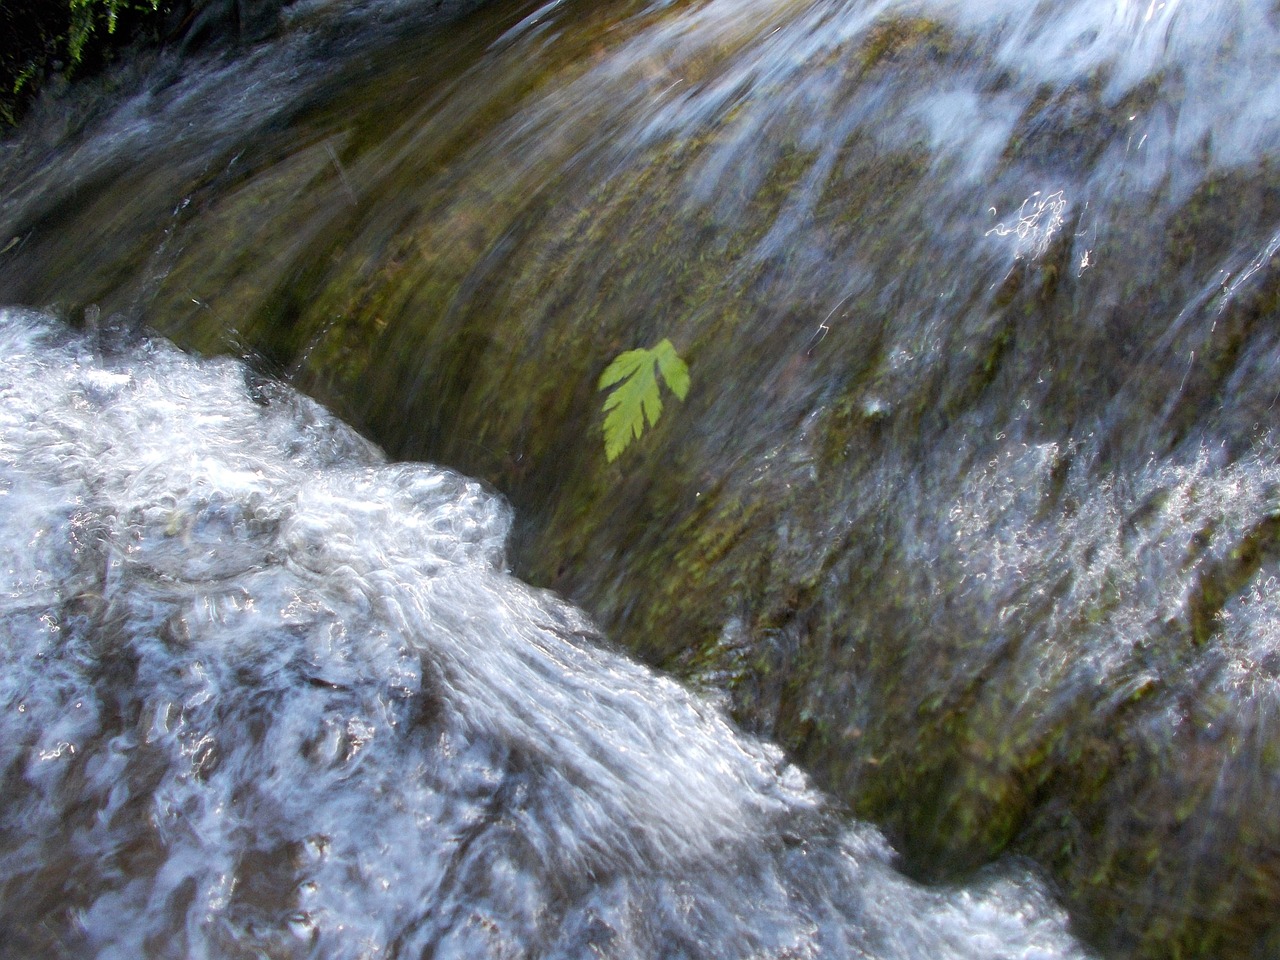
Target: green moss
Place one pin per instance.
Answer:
(844, 529)
(892, 38)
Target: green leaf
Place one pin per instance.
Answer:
(624, 365)
(636, 396)
(674, 370)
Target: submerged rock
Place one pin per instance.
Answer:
(971, 505)
(264, 693)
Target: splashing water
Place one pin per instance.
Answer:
(972, 506)
(265, 693)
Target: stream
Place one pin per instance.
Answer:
(939, 619)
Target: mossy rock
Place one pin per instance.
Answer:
(980, 531)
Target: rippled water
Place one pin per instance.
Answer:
(267, 694)
(971, 505)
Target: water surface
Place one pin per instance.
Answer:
(971, 505)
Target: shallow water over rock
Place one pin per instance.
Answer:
(971, 504)
(266, 694)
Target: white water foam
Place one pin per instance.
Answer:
(266, 694)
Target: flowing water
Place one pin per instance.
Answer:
(971, 507)
(267, 694)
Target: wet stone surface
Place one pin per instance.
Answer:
(971, 505)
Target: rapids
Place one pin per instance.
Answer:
(971, 509)
(265, 693)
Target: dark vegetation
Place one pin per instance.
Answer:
(43, 42)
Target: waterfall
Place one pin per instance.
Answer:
(969, 511)
(267, 693)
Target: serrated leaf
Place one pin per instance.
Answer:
(624, 365)
(674, 370)
(636, 396)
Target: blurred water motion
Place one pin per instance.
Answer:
(970, 507)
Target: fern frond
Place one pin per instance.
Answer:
(636, 396)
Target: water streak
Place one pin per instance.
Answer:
(975, 480)
(266, 693)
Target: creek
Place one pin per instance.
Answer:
(939, 619)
